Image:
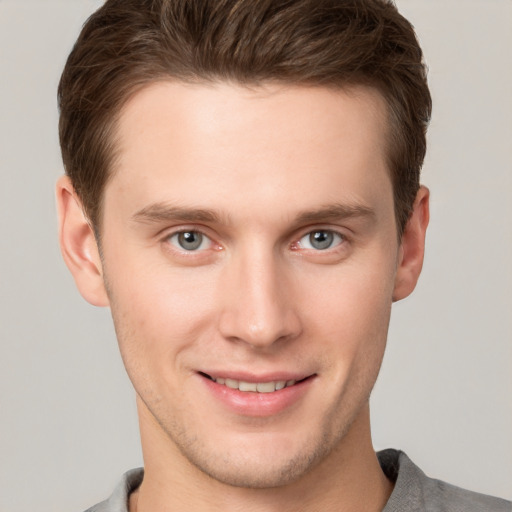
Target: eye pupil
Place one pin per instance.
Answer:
(321, 239)
(190, 240)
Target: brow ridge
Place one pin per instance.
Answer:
(336, 212)
(162, 212)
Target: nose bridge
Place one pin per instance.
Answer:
(258, 308)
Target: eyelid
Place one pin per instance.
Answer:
(204, 244)
(166, 233)
(172, 232)
(340, 233)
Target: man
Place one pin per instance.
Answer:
(242, 190)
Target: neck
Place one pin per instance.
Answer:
(349, 479)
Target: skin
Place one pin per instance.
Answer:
(256, 171)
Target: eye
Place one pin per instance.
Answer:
(321, 239)
(190, 241)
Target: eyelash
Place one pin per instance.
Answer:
(207, 245)
(203, 238)
(295, 246)
(332, 243)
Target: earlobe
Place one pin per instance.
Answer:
(412, 247)
(78, 245)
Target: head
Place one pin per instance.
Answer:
(247, 167)
(128, 44)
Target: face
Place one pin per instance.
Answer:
(250, 256)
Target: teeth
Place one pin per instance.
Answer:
(233, 384)
(259, 387)
(247, 386)
(266, 387)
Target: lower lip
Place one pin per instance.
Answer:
(255, 404)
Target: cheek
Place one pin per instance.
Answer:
(152, 294)
(351, 311)
(158, 315)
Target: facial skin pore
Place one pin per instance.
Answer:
(249, 234)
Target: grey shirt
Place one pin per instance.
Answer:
(413, 492)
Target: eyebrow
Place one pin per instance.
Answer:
(162, 212)
(336, 212)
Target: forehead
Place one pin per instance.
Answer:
(234, 147)
(221, 108)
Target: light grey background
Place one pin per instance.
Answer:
(68, 422)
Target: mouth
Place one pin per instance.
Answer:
(255, 387)
(258, 396)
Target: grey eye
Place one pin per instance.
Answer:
(321, 240)
(189, 240)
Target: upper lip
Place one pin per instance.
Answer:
(256, 378)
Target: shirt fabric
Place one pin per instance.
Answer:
(413, 492)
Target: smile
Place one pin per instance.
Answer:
(253, 387)
(257, 395)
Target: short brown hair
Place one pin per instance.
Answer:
(128, 44)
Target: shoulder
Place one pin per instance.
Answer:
(457, 499)
(414, 491)
(118, 500)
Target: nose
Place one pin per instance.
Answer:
(258, 306)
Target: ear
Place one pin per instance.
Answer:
(412, 247)
(78, 245)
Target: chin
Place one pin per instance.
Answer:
(259, 461)
(246, 472)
